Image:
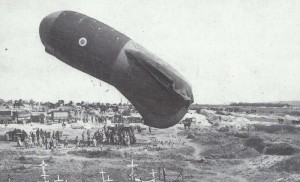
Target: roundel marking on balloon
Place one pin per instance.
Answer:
(82, 41)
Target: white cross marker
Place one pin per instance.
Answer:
(153, 175)
(132, 167)
(43, 164)
(58, 180)
(109, 179)
(44, 175)
(102, 173)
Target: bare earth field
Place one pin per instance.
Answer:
(264, 151)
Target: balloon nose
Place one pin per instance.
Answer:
(46, 25)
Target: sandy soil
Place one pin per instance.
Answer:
(212, 155)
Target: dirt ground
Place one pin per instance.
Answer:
(265, 151)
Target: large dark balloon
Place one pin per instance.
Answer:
(157, 91)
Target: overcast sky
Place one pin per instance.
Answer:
(228, 50)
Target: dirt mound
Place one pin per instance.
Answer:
(190, 136)
(290, 165)
(29, 160)
(221, 113)
(224, 129)
(279, 149)
(270, 148)
(230, 152)
(240, 121)
(230, 148)
(198, 119)
(208, 137)
(210, 115)
(256, 143)
(276, 128)
(96, 153)
(241, 135)
(177, 154)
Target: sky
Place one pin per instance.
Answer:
(230, 51)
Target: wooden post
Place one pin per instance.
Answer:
(180, 174)
(159, 173)
(164, 174)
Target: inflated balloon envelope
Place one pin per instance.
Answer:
(155, 89)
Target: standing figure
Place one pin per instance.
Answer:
(83, 133)
(38, 134)
(46, 143)
(57, 135)
(66, 142)
(51, 143)
(35, 141)
(32, 136)
(88, 140)
(19, 144)
(40, 142)
(77, 141)
(88, 133)
(94, 142)
(30, 143)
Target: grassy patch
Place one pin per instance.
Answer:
(290, 165)
(96, 153)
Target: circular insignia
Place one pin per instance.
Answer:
(82, 41)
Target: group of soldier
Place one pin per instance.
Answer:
(38, 138)
(118, 134)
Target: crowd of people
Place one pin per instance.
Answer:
(118, 134)
(37, 138)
